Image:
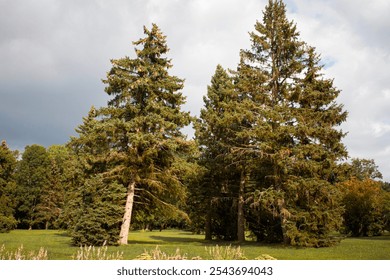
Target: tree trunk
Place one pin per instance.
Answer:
(283, 214)
(124, 234)
(208, 235)
(240, 209)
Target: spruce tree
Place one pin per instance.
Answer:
(280, 134)
(294, 134)
(92, 213)
(136, 139)
(219, 183)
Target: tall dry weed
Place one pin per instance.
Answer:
(99, 253)
(21, 254)
(225, 253)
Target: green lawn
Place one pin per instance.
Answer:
(58, 246)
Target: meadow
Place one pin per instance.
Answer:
(58, 246)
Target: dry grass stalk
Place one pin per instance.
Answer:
(99, 253)
(225, 253)
(157, 254)
(20, 254)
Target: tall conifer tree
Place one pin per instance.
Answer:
(280, 134)
(140, 130)
(294, 133)
(214, 132)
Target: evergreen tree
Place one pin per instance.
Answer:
(94, 201)
(219, 184)
(97, 212)
(7, 188)
(280, 135)
(136, 139)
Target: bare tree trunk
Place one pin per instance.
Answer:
(240, 209)
(124, 234)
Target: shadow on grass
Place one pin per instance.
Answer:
(138, 242)
(171, 239)
(372, 238)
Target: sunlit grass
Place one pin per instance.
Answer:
(58, 246)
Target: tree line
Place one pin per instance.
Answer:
(267, 158)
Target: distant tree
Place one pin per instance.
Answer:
(386, 186)
(32, 178)
(7, 188)
(52, 198)
(364, 168)
(136, 139)
(366, 205)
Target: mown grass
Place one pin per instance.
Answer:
(58, 246)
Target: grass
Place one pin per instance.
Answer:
(58, 247)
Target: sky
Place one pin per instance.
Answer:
(54, 54)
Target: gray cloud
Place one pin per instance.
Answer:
(53, 55)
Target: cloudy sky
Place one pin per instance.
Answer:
(54, 53)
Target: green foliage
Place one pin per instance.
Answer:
(263, 217)
(97, 213)
(32, 179)
(7, 188)
(293, 134)
(360, 169)
(217, 186)
(43, 178)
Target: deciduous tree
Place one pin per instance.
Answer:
(32, 178)
(7, 188)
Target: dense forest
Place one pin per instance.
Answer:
(267, 160)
